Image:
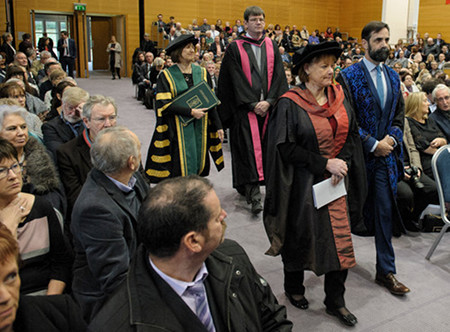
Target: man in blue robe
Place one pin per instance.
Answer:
(374, 90)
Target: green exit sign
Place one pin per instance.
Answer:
(81, 7)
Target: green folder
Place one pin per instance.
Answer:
(199, 96)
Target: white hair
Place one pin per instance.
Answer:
(440, 87)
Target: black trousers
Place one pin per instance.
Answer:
(68, 65)
(115, 71)
(142, 87)
(412, 201)
(334, 286)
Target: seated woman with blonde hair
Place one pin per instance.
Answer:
(427, 135)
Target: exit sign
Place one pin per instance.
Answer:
(81, 7)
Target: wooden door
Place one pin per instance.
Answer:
(101, 30)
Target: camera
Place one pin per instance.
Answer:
(413, 172)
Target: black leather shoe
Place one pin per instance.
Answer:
(392, 284)
(348, 319)
(256, 207)
(301, 304)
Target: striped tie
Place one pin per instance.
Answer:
(202, 309)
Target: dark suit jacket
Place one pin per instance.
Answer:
(44, 87)
(9, 52)
(74, 165)
(72, 48)
(442, 121)
(104, 239)
(24, 46)
(161, 26)
(144, 72)
(54, 313)
(57, 132)
(148, 46)
(239, 299)
(213, 48)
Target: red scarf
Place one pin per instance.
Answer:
(330, 141)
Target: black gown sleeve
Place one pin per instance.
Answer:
(301, 157)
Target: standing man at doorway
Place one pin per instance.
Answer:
(374, 90)
(67, 53)
(251, 80)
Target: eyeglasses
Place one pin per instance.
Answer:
(111, 118)
(16, 168)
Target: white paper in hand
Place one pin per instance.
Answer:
(324, 192)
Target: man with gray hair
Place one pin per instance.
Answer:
(69, 124)
(104, 218)
(147, 45)
(38, 64)
(431, 48)
(73, 158)
(441, 96)
(44, 76)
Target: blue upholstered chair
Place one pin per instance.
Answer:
(441, 171)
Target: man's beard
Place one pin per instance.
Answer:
(379, 55)
(72, 119)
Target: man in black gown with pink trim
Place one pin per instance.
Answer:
(251, 80)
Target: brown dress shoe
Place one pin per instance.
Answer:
(392, 284)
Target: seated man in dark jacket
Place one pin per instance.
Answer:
(104, 218)
(441, 96)
(69, 124)
(185, 276)
(144, 78)
(73, 157)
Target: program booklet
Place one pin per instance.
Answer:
(324, 192)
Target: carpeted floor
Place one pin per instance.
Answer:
(426, 308)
